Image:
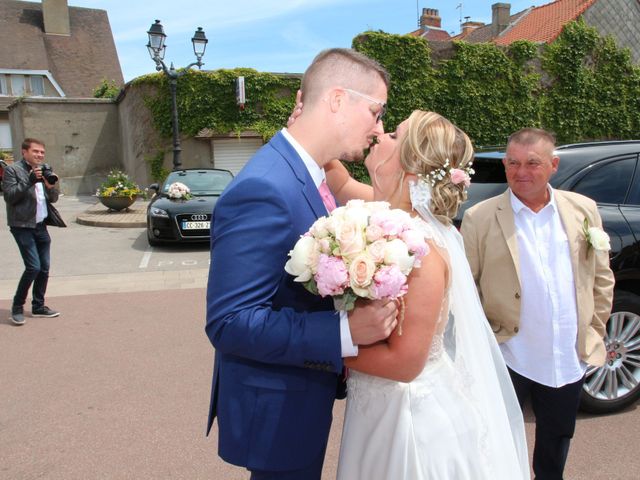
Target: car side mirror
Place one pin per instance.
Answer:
(155, 187)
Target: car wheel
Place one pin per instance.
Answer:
(153, 242)
(616, 385)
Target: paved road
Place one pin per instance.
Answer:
(117, 387)
(99, 260)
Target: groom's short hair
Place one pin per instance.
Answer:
(341, 67)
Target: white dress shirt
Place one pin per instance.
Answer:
(318, 176)
(41, 203)
(544, 349)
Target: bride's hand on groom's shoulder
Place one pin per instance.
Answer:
(372, 320)
(297, 110)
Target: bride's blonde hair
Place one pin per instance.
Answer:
(433, 143)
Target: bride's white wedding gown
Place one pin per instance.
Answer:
(459, 419)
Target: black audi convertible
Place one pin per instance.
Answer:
(178, 220)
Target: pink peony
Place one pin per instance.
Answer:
(390, 282)
(332, 276)
(460, 176)
(415, 242)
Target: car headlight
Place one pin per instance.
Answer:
(158, 212)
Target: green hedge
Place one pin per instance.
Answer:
(582, 87)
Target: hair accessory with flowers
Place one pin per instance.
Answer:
(596, 237)
(361, 250)
(179, 191)
(457, 175)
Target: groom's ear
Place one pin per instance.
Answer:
(336, 99)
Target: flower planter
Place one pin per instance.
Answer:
(117, 203)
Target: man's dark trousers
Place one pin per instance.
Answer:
(555, 410)
(34, 245)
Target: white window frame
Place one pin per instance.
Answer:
(8, 72)
(3, 85)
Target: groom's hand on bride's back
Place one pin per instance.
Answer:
(372, 320)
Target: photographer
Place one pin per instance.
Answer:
(29, 187)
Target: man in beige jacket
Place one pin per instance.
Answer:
(545, 288)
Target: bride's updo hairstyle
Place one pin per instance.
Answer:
(432, 146)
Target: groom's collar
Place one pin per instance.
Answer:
(317, 174)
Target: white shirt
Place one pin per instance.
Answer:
(544, 349)
(41, 203)
(318, 176)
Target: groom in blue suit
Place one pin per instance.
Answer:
(278, 348)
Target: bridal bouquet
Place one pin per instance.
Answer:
(179, 191)
(364, 249)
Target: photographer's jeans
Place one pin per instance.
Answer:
(34, 245)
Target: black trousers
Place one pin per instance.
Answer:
(555, 410)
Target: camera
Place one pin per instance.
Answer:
(47, 173)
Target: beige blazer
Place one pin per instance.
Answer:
(488, 229)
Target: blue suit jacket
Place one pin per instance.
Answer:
(277, 346)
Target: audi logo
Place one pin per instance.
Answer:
(198, 217)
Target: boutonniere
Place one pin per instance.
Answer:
(596, 237)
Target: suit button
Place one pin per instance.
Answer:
(516, 329)
(517, 295)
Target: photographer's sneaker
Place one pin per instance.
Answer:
(17, 317)
(44, 312)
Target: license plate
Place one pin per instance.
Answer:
(196, 225)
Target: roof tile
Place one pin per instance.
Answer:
(543, 24)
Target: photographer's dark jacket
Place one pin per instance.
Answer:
(20, 195)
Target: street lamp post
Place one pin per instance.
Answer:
(157, 49)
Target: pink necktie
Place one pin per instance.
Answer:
(327, 197)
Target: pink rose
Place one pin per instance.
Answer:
(332, 276)
(460, 176)
(374, 232)
(390, 282)
(350, 238)
(361, 273)
(376, 250)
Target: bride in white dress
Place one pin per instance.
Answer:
(436, 401)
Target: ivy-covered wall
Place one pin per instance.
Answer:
(582, 87)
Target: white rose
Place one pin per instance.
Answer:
(397, 253)
(599, 239)
(299, 265)
(320, 228)
(374, 207)
(357, 213)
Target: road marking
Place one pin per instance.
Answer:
(144, 263)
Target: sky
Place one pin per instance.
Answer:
(269, 35)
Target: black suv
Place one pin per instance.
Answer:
(609, 173)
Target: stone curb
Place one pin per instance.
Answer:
(99, 216)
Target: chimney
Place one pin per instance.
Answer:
(56, 17)
(500, 17)
(430, 18)
(469, 26)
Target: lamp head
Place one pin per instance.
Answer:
(199, 41)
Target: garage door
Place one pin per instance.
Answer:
(232, 153)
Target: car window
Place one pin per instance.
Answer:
(608, 183)
(634, 192)
(200, 182)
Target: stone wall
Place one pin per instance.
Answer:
(141, 141)
(81, 136)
